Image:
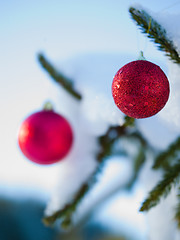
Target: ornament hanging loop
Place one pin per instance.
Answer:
(141, 56)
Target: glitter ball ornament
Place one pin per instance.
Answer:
(140, 89)
(45, 137)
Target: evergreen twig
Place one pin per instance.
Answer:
(68, 210)
(156, 32)
(58, 77)
(162, 160)
(171, 177)
(106, 141)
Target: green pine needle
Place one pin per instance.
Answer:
(171, 177)
(156, 32)
(58, 77)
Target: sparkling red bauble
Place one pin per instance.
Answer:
(140, 89)
(45, 137)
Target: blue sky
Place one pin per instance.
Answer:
(61, 29)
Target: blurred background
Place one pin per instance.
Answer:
(64, 31)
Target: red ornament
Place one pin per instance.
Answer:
(140, 89)
(45, 137)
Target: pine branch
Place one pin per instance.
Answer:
(113, 134)
(66, 213)
(58, 77)
(171, 177)
(138, 163)
(162, 160)
(106, 142)
(69, 209)
(156, 32)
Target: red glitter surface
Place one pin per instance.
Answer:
(45, 137)
(140, 89)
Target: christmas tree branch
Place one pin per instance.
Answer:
(69, 209)
(171, 177)
(58, 77)
(156, 32)
(138, 162)
(106, 142)
(162, 160)
(66, 213)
